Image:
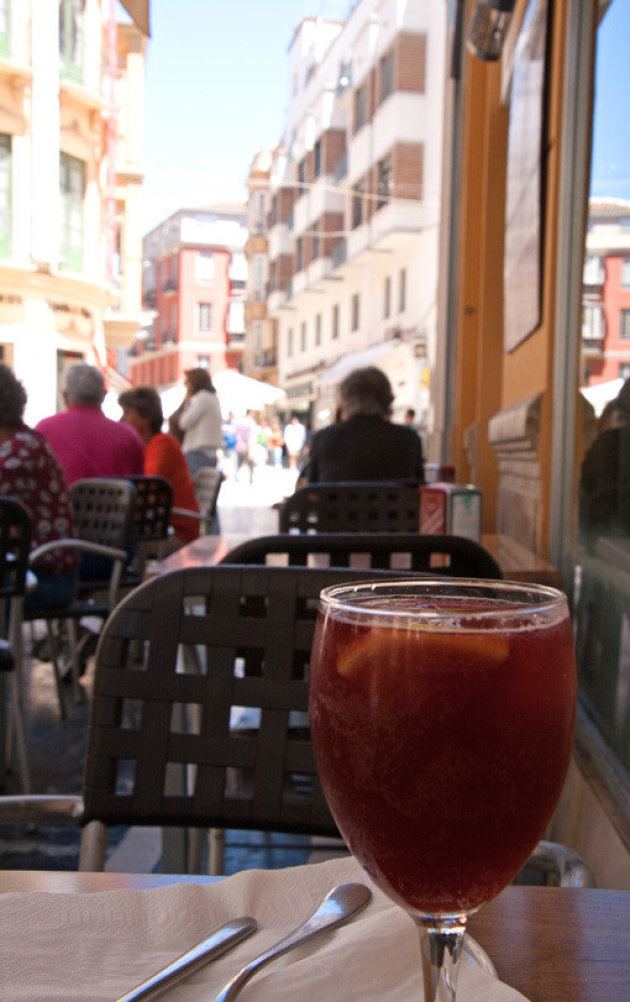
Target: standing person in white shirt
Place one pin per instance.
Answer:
(294, 439)
(199, 418)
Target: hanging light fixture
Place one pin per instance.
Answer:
(488, 27)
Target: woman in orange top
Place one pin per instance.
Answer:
(163, 457)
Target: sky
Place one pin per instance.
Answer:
(611, 136)
(216, 93)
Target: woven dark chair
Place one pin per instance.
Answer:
(454, 556)
(207, 483)
(15, 545)
(352, 506)
(251, 628)
(102, 512)
(149, 524)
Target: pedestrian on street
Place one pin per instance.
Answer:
(294, 439)
(199, 419)
(246, 430)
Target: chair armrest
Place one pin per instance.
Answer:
(563, 863)
(118, 556)
(82, 545)
(43, 808)
(189, 513)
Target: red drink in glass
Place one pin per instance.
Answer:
(442, 745)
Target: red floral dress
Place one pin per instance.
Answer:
(31, 473)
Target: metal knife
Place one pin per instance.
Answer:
(214, 946)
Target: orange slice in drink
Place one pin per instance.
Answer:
(377, 650)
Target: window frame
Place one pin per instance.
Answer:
(204, 317)
(71, 251)
(6, 201)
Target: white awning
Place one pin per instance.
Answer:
(236, 392)
(374, 355)
(599, 394)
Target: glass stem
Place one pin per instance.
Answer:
(441, 945)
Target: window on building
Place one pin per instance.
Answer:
(318, 329)
(334, 327)
(387, 297)
(317, 158)
(72, 193)
(290, 344)
(402, 290)
(258, 277)
(303, 336)
(357, 204)
(71, 38)
(624, 370)
(5, 196)
(625, 273)
(260, 206)
(316, 242)
(624, 325)
(360, 107)
(299, 253)
(257, 336)
(204, 266)
(235, 320)
(387, 75)
(355, 312)
(203, 318)
(301, 175)
(384, 181)
(203, 361)
(593, 322)
(5, 28)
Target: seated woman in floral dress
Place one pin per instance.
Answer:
(31, 473)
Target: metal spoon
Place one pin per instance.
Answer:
(338, 906)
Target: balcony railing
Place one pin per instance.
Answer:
(266, 358)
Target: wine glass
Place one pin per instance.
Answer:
(442, 717)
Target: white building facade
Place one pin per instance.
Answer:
(355, 190)
(71, 148)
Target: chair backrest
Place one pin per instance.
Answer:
(102, 509)
(15, 545)
(247, 735)
(151, 512)
(454, 556)
(352, 506)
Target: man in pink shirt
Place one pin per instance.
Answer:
(86, 442)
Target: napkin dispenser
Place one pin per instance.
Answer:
(451, 508)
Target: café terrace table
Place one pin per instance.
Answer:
(552, 944)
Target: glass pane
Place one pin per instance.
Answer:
(603, 566)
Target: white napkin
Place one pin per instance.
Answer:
(96, 946)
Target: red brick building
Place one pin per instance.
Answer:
(194, 280)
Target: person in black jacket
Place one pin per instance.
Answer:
(364, 444)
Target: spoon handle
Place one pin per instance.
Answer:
(337, 907)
